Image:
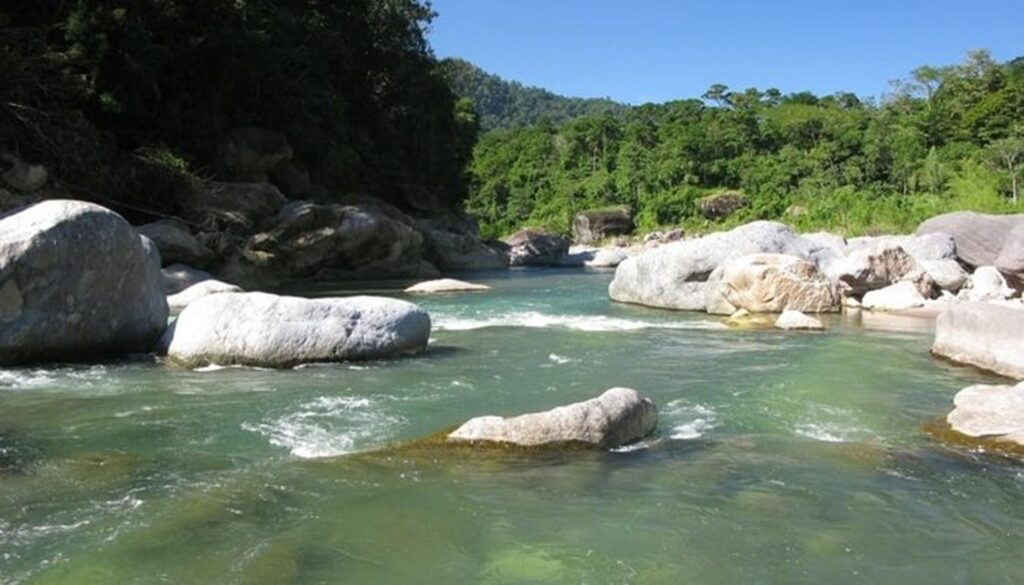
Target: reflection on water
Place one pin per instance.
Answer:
(779, 458)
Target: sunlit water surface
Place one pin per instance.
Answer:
(779, 458)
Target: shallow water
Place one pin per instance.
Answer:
(779, 458)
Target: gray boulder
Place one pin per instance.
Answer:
(990, 412)
(177, 302)
(178, 277)
(537, 248)
(878, 265)
(618, 417)
(984, 240)
(986, 284)
(674, 276)
(239, 208)
(455, 251)
(176, 243)
(259, 329)
(77, 282)
(592, 226)
(985, 335)
(364, 240)
(770, 283)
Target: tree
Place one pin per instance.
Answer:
(1008, 154)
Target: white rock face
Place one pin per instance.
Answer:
(178, 302)
(259, 329)
(986, 284)
(897, 297)
(995, 412)
(673, 276)
(795, 320)
(76, 283)
(985, 335)
(606, 258)
(770, 283)
(445, 285)
(618, 417)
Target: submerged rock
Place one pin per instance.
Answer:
(259, 329)
(445, 285)
(536, 248)
(770, 283)
(178, 302)
(674, 276)
(795, 320)
(990, 412)
(618, 417)
(985, 335)
(77, 282)
(897, 297)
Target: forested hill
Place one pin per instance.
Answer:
(949, 137)
(508, 104)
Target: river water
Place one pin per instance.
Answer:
(779, 458)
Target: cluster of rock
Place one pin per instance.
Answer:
(766, 267)
(266, 222)
(78, 283)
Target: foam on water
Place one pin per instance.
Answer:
(327, 427)
(694, 420)
(832, 432)
(536, 320)
(38, 377)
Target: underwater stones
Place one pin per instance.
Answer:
(177, 302)
(77, 282)
(985, 335)
(795, 320)
(259, 329)
(617, 417)
(896, 297)
(445, 285)
(770, 283)
(990, 412)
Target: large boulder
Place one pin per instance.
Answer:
(674, 276)
(985, 335)
(592, 226)
(176, 243)
(178, 277)
(458, 251)
(307, 240)
(536, 248)
(990, 412)
(895, 297)
(77, 282)
(984, 240)
(239, 208)
(986, 284)
(722, 204)
(250, 153)
(618, 417)
(177, 302)
(770, 283)
(259, 329)
(878, 265)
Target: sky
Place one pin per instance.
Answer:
(638, 51)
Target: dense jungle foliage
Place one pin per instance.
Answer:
(126, 100)
(946, 138)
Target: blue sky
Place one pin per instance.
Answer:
(657, 50)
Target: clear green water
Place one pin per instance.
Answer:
(780, 458)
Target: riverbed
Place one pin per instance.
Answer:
(779, 457)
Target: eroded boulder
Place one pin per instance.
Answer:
(878, 265)
(259, 329)
(536, 248)
(592, 226)
(77, 282)
(618, 417)
(176, 243)
(985, 335)
(770, 283)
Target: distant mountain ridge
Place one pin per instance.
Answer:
(509, 104)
